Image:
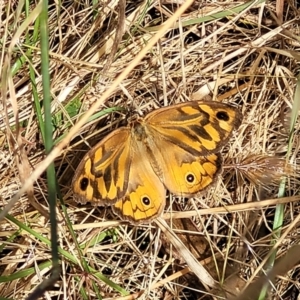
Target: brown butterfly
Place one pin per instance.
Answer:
(173, 148)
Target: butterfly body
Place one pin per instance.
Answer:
(173, 148)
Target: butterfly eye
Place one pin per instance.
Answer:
(223, 116)
(145, 200)
(190, 178)
(84, 182)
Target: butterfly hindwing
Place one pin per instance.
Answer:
(145, 196)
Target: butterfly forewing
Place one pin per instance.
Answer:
(102, 176)
(198, 127)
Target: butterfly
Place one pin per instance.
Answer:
(173, 148)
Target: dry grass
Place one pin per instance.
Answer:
(218, 51)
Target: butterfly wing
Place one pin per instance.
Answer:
(199, 127)
(185, 139)
(102, 176)
(145, 196)
(183, 173)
